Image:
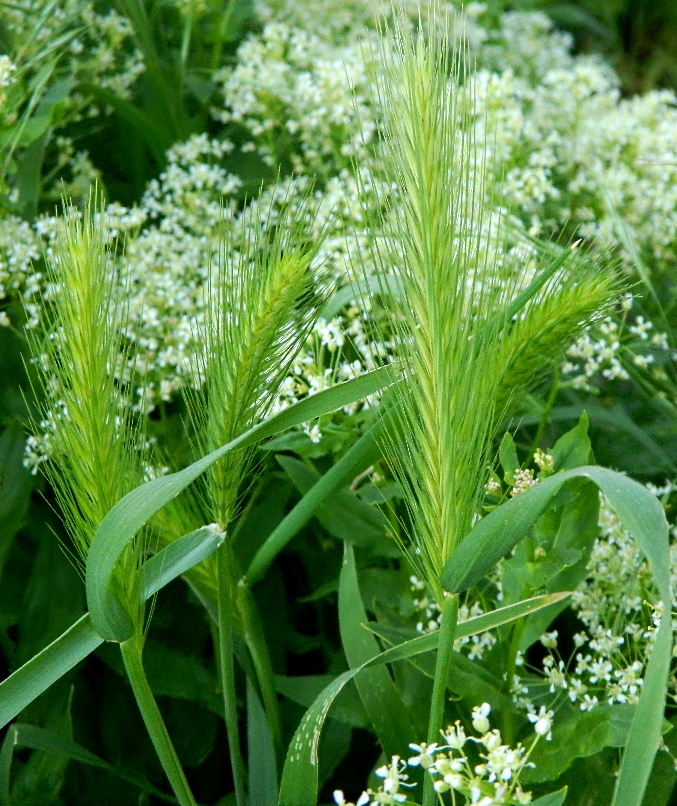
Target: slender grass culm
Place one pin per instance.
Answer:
(94, 447)
(472, 328)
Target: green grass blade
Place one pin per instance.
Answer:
(642, 515)
(261, 753)
(34, 738)
(531, 290)
(365, 451)
(382, 702)
(300, 775)
(132, 512)
(23, 686)
(177, 558)
(37, 675)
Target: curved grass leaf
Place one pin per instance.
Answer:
(119, 527)
(300, 775)
(33, 738)
(37, 675)
(177, 558)
(642, 515)
(381, 700)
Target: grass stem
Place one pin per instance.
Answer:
(131, 657)
(225, 604)
(511, 666)
(442, 667)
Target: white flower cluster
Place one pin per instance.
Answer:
(609, 655)
(99, 46)
(481, 768)
(300, 93)
(608, 350)
(429, 616)
(7, 70)
(300, 100)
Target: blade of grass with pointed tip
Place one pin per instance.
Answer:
(552, 798)
(299, 785)
(363, 453)
(119, 527)
(382, 702)
(177, 558)
(34, 738)
(532, 289)
(40, 672)
(642, 515)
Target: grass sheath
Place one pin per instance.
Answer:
(132, 659)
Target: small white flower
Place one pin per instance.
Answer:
(480, 716)
(542, 722)
(425, 757)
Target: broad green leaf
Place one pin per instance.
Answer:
(261, 753)
(387, 713)
(300, 775)
(642, 515)
(40, 672)
(552, 799)
(21, 736)
(573, 449)
(118, 528)
(578, 734)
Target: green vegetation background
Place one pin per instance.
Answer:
(40, 591)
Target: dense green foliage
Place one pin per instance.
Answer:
(338, 388)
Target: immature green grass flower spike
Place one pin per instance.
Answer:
(465, 349)
(263, 302)
(94, 461)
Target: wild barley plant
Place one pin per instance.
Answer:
(93, 443)
(262, 302)
(95, 447)
(468, 330)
